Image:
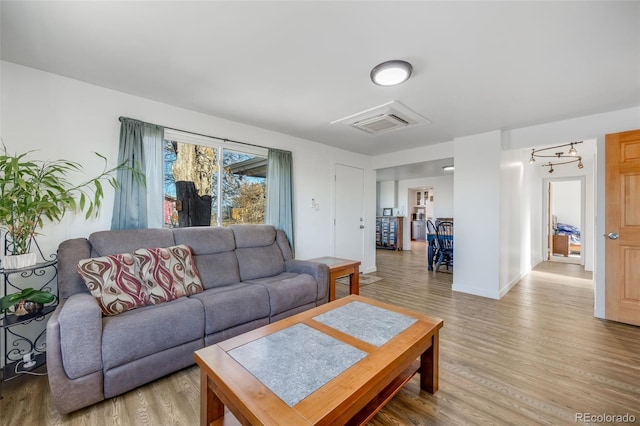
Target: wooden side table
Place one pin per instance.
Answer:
(340, 268)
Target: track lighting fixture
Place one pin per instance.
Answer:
(572, 153)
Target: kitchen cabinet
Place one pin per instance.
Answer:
(418, 230)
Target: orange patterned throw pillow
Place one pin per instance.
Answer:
(168, 270)
(115, 282)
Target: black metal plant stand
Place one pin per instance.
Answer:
(24, 345)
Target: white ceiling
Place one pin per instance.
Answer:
(294, 67)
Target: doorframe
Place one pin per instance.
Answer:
(546, 215)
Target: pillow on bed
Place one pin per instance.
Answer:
(115, 282)
(168, 272)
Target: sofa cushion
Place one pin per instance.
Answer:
(218, 270)
(258, 252)
(258, 262)
(288, 291)
(168, 272)
(104, 243)
(283, 243)
(205, 239)
(229, 306)
(115, 282)
(248, 235)
(154, 328)
(213, 251)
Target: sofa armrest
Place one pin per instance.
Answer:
(68, 394)
(80, 323)
(319, 271)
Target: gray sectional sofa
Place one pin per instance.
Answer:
(250, 280)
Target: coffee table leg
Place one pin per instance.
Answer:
(429, 366)
(211, 408)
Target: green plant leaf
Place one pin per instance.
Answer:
(29, 294)
(41, 297)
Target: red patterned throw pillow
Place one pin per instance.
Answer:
(168, 272)
(115, 282)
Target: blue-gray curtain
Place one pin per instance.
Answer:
(279, 210)
(131, 204)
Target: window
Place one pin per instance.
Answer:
(208, 181)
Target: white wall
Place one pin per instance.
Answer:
(411, 156)
(566, 202)
(476, 200)
(66, 118)
(519, 218)
(387, 195)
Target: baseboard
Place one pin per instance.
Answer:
(512, 283)
(476, 291)
(517, 279)
(369, 270)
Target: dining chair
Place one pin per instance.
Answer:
(432, 249)
(444, 232)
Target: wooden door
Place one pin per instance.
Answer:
(622, 220)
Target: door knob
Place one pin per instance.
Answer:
(612, 236)
(361, 226)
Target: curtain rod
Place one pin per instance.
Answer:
(197, 134)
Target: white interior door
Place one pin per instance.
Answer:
(349, 213)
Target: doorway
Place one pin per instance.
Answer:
(565, 220)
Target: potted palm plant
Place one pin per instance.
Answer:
(32, 191)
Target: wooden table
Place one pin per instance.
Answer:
(341, 268)
(353, 395)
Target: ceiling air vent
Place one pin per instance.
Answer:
(390, 116)
(381, 123)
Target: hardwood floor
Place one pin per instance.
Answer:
(537, 356)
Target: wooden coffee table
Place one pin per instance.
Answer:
(339, 363)
(339, 268)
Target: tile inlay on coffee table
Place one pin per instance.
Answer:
(296, 361)
(366, 322)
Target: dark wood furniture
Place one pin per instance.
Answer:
(341, 268)
(353, 396)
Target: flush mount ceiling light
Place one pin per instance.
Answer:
(391, 73)
(572, 153)
(448, 168)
